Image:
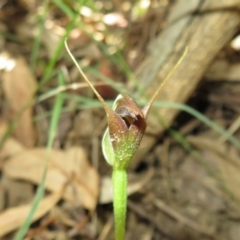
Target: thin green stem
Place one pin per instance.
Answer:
(37, 41)
(119, 178)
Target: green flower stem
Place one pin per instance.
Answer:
(119, 177)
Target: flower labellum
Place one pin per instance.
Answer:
(126, 126)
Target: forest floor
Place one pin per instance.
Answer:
(182, 189)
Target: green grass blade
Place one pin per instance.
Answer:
(119, 87)
(202, 118)
(37, 41)
(53, 92)
(64, 8)
(84, 102)
(57, 52)
(117, 58)
(12, 124)
(48, 73)
(40, 190)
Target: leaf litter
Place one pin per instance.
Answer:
(182, 184)
(68, 169)
(19, 86)
(12, 218)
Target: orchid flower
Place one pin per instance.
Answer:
(127, 123)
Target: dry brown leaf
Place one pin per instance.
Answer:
(69, 167)
(19, 86)
(106, 193)
(13, 218)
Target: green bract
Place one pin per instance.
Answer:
(126, 126)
